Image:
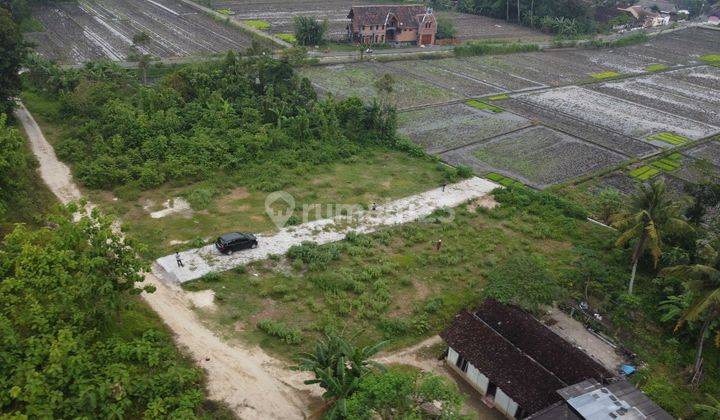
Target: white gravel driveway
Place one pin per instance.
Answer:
(201, 261)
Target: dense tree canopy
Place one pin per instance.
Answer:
(62, 294)
(12, 52)
(248, 115)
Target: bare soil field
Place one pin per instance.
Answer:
(92, 30)
(537, 156)
(471, 27)
(279, 13)
(606, 111)
(687, 103)
(709, 151)
(580, 128)
(438, 129)
(346, 80)
(704, 76)
(455, 81)
(488, 69)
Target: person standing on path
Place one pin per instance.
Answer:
(179, 260)
(443, 186)
(438, 245)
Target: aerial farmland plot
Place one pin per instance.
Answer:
(471, 27)
(280, 13)
(709, 151)
(439, 129)
(610, 112)
(92, 30)
(580, 128)
(346, 80)
(538, 156)
(697, 104)
(550, 68)
(704, 76)
(682, 47)
(444, 77)
(488, 69)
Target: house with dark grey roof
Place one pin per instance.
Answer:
(515, 362)
(396, 24)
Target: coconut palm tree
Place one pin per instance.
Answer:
(338, 366)
(703, 281)
(651, 213)
(711, 409)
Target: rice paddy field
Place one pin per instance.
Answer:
(439, 129)
(77, 32)
(537, 156)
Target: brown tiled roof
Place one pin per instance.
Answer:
(519, 354)
(521, 378)
(377, 15)
(567, 362)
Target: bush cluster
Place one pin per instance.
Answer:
(289, 335)
(251, 116)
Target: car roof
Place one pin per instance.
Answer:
(234, 236)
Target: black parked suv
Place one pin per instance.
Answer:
(235, 241)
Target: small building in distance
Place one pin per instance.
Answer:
(392, 24)
(524, 370)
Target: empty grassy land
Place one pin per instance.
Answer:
(226, 205)
(393, 284)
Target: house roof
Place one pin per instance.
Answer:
(590, 397)
(521, 378)
(407, 15)
(556, 354)
(524, 358)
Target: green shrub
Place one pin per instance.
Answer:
(289, 335)
(309, 31)
(522, 280)
(314, 255)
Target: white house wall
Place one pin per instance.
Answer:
(452, 356)
(505, 404)
(480, 380)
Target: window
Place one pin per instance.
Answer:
(462, 363)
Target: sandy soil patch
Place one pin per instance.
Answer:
(204, 299)
(172, 206)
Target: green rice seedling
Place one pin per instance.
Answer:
(644, 173)
(287, 38)
(484, 106)
(670, 138)
(500, 97)
(710, 58)
(656, 67)
(605, 75)
(257, 24)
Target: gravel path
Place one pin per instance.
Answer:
(201, 261)
(253, 384)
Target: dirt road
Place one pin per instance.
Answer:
(252, 383)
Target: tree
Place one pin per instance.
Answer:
(651, 213)
(13, 51)
(13, 163)
(703, 282)
(338, 366)
(309, 31)
(71, 345)
(704, 195)
(400, 393)
(610, 203)
(445, 28)
(712, 409)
